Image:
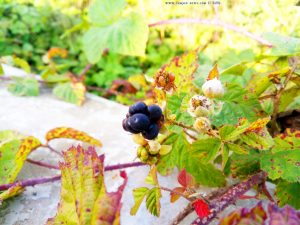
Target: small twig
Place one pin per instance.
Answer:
(219, 203)
(175, 192)
(266, 96)
(214, 22)
(85, 70)
(31, 182)
(123, 166)
(42, 164)
(52, 149)
(276, 101)
(190, 135)
(180, 124)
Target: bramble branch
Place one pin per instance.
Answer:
(42, 164)
(214, 22)
(219, 203)
(43, 180)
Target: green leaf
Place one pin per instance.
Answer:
(258, 141)
(288, 193)
(289, 139)
(23, 64)
(11, 192)
(24, 87)
(127, 36)
(245, 165)
(1, 70)
(230, 132)
(13, 153)
(139, 195)
(153, 201)
(288, 97)
(84, 199)
(183, 68)
(152, 177)
(206, 148)
(103, 12)
(70, 92)
(181, 156)
(236, 148)
(283, 164)
(237, 103)
(282, 45)
(225, 156)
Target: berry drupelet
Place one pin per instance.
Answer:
(143, 119)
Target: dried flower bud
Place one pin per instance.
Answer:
(164, 80)
(199, 106)
(213, 88)
(202, 124)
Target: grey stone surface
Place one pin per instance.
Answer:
(101, 119)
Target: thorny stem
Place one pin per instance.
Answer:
(35, 181)
(219, 203)
(214, 22)
(183, 214)
(278, 94)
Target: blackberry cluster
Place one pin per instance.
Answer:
(143, 119)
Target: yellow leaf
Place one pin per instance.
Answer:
(12, 191)
(214, 73)
(67, 132)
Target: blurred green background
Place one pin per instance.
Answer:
(29, 29)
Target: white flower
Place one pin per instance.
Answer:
(213, 88)
(199, 106)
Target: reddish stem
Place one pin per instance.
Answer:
(34, 181)
(214, 22)
(219, 203)
(46, 165)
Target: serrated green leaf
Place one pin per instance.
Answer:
(282, 45)
(153, 201)
(24, 87)
(139, 195)
(230, 132)
(282, 164)
(152, 177)
(70, 92)
(84, 199)
(288, 193)
(183, 68)
(181, 156)
(207, 148)
(245, 165)
(288, 140)
(102, 12)
(236, 148)
(237, 103)
(287, 98)
(258, 141)
(127, 36)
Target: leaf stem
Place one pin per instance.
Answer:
(42, 164)
(213, 22)
(124, 166)
(52, 149)
(85, 70)
(276, 101)
(175, 192)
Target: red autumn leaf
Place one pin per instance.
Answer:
(201, 208)
(174, 196)
(186, 179)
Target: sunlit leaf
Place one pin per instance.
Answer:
(13, 154)
(23, 64)
(183, 67)
(139, 195)
(261, 140)
(289, 139)
(182, 156)
(214, 73)
(208, 148)
(288, 193)
(152, 177)
(24, 87)
(123, 34)
(70, 92)
(67, 132)
(236, 148)
(84, 199)
(153, 201)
